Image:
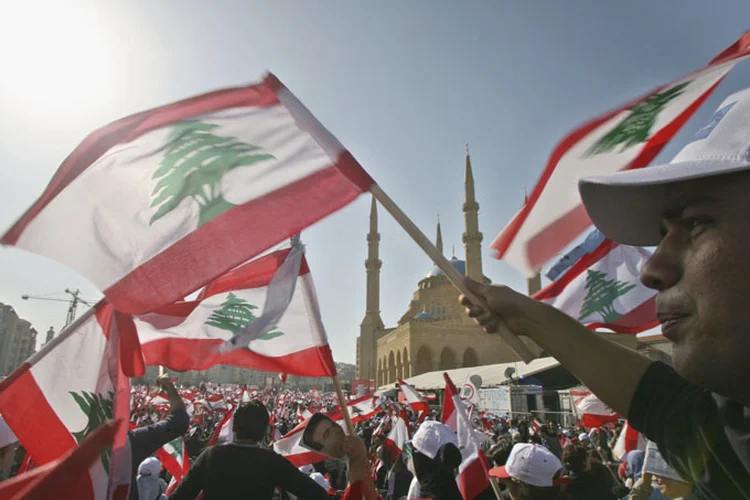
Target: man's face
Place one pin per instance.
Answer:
(330, 436)
(701, 270)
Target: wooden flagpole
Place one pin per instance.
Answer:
(514, 342)
(342, 403)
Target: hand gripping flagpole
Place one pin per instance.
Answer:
(342, 403)
(514, 342)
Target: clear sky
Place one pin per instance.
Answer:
(403, 85)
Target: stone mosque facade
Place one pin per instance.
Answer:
(434, 333)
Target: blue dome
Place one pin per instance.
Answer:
(458, 265)
(423, 315)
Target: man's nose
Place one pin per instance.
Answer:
(664, 269)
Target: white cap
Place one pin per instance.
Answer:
(583, 437)
(654, 463)
(532, 464)
(628, 206)
(150, 467)
(431, 436)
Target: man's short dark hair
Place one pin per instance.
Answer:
(251, 421)
(307, 434)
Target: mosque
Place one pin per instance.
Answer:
(434, 333)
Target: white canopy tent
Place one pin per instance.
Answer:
(492, 375)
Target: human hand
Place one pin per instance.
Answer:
(354, 448)
(164, 381)
(518, 311)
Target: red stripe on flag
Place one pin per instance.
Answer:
(32, 419)
(638, 320)
(129, 128)
(219, 246)
(545, 245)
(183, 354)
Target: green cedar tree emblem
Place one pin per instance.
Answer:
(601, 294)
(636, 127)
(194, 163)
(234, 314)
(176, 445)
(98, 409)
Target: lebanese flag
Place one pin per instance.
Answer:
(224, 432)
(64, 392)
(217, 402)
(62, 477)
(627, 138)
(360, 409)
(168, 199)
(535, 427)
(604, 290)
(473, 473)
(174, 458)
(186, 335)
(397, 437)
(159, 399)
(417, 404)
(628, 440)
(593, 412)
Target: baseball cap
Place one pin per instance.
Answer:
(431, 436)
(532, 464)
(628, 206)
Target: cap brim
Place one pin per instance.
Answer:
(627, 207)
(499, 472)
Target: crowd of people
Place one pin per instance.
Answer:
(228, 434)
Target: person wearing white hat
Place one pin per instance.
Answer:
(696, 211)
(531, 471)
(436, 457)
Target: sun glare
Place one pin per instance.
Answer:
(54, 57)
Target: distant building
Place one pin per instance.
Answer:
(17, 339)
(434, 333)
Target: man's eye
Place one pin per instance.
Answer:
(695, 223)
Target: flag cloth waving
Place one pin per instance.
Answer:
(417, 404)
(604, 290)
(473, 473)
(593, 412)
(186, 335)
(52, 414)
(169, 199)
(626, 138)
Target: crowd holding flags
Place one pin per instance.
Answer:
(179, 199)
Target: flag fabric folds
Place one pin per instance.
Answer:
(52, 414)
(473, 473)
(627, 138)
(417, 404)
(187, 335)
(593, 412)
(604, 290)
(168, 199)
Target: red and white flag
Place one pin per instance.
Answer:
(52, 414)
(417, 404)
(168, 199)
(224, 432)
(627, 138)
(290, 445)
(473, 473)
(593, 412)
(628, 440)
(174, 458)
(398, 436)
(187, 335)
(604, 290)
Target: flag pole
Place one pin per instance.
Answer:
(514, 342)
(342, 403)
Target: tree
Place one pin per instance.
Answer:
(194, 163)
(601, 294)
(98, 409)
(636, 127)
(236, 313)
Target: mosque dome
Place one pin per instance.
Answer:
(424, 315)
(458, 264)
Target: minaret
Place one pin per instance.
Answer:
(439, 238)
(472, 237)
(372, 325)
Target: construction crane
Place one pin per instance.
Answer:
(73, 302)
